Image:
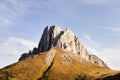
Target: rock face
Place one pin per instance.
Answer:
(53, 36)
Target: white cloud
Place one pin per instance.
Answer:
(112, 29)
(93, 1)
(23, 42)
(87, 40)
(11, 10)
(16, 46)
(109, 55)
(87, 37)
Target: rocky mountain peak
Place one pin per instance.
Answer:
(54, 36)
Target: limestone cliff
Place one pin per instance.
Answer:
(53, 36)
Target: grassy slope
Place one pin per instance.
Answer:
(66, 68)
(72, 69)
(28, 69)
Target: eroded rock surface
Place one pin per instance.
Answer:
(54, 36)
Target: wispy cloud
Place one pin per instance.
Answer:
(112, 29)
(11, 10)
(16, 46)
(87, 40)
(86, 36)
(109, 55)
(94, 2)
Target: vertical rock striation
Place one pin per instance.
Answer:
(53, 36)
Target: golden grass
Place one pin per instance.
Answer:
(68, 68)
(28, 69)
(74, 69)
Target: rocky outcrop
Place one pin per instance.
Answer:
(56, 37)
(50, 56)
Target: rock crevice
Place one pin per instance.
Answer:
(54, 36)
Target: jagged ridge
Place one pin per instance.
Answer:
(53, 36)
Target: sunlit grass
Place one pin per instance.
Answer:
(67, 68)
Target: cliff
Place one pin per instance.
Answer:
(54, 36)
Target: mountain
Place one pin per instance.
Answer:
(54, 36)
(59, 56)
(56, 64)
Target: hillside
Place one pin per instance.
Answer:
(59, 56)
(54, 36)
(56, 64)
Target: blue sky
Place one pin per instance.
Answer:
(95, 22)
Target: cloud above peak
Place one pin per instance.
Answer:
(11, 10)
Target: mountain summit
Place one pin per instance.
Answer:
(59, 56)
(54, 36)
